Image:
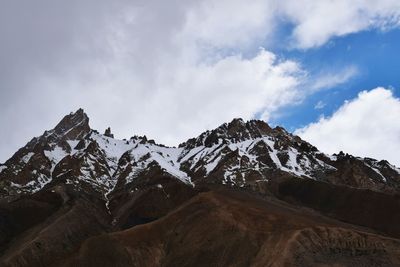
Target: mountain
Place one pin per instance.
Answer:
(239, 195)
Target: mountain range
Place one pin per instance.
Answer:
(243, 194)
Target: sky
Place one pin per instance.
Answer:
(325, 70)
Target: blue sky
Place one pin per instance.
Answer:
(374, 53)
(172, 69)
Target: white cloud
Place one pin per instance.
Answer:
(332, 79)
(230, 23)
(367, 126)
(320, 105)
(316, 22)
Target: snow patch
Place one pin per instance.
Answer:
(166, 158)
(211, 166)
(55, 156)
(331, 157)
(34, 185)
(25, 159)
(380, 174)
(73, 144)
(2, 168)
(113, 148)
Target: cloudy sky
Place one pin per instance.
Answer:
(327, 70)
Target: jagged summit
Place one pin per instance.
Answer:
(237, 130)
(73, 126)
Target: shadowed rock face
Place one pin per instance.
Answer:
(25, 213)
(243, 194)
(362, 207)
(49, 225)
(225, 228)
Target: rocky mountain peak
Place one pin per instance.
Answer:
(73, 126)
(239, 130)
(235, 131)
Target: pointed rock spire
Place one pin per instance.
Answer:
(108, 133)
(73, 126)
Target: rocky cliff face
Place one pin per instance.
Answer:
(73, 182)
